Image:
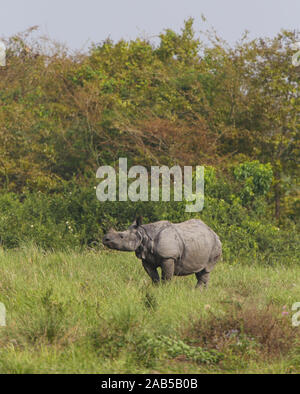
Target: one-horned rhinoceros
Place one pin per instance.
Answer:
(180, 249)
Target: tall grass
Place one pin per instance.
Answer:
(97, 312)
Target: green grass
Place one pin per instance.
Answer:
(97, 312)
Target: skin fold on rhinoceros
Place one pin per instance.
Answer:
(179, 249)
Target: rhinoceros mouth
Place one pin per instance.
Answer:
(109, 244)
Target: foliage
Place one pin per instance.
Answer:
(180, 101)
(256, 179)
(176, 348)
(233, 110)
(75, 218)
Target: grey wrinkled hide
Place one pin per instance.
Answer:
(179, 249)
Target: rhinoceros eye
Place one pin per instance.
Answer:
(121, 236)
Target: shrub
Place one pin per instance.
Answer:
(73, 217)
(255, 179)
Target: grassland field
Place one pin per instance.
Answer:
(97, 312)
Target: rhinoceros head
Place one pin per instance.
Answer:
(128, 240)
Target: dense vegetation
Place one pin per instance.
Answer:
(72, 307)
(233, 110)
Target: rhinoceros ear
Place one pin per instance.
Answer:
(138, 221)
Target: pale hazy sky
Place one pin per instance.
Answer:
(77, 23)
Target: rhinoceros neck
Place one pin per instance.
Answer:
(145, 235)
(151, 230)
(148, 234)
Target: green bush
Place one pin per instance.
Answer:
(173, 348)
(73, 217)
(255, 179)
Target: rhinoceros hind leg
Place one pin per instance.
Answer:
(202, 278)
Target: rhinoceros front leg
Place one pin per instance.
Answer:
(202, 278)
(167, 269)
(151, 271)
